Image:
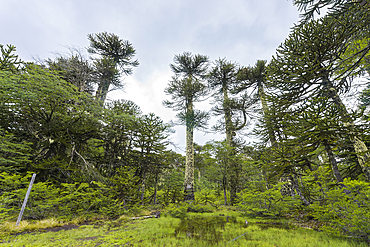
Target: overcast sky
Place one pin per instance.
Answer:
(242, 31)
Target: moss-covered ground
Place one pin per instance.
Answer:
(221, 228)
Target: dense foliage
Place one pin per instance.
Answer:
(95, 157)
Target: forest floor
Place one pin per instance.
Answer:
(222, 228)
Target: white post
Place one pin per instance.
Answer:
(25, 199)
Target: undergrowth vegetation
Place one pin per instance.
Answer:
(104, 168)
(218, 228)
(253, 219)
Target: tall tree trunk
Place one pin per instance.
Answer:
(224, 189)
(155, 188)
(234, 180)
(265, 110)
(227, 116)
(334, 166)
(233, 167)
(333, 162)
(299, 192)
(189, 163)
(143, 190)
(270, 129)
(102, 91)
(358, 145)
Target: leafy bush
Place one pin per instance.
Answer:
(346, 213)
(267, 203)
(125, 185)
(171, 189)
(198, 208)
(179, 210)
(47, 200)
(205, 196)
(176, 210)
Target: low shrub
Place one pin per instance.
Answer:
(346, 213)
(176, 210)
(198, 208)
(267, 203)
(205, 196)
(179, 210)
(47, 200)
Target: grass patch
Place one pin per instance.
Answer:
(195, 229)
(28, 226)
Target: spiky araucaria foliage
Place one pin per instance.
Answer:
(116, 57)
(185, 88)
(306, 66)
(8, 60)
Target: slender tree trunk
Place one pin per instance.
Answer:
(333, 162)
(334, 166)
(234, 177)
(299, 192)
(359, 146)
(189, 163)
(224, 189)
(227, 116)
(270, 130)
(155, 189)
(143, 190)
(265, 110)
(233, 166)
(102, 91)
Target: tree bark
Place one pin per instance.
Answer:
(232, 166)
(333, 162)
(265, 110)
(358, 145)
(234, 175)
(334, 166)
(299, 192)
(102, 91)
(143, 190)
(224, 189)
(189, 163)
(155, 188)
(227, 116)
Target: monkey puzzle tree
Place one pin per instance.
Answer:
(337, 8)
(14, 154)
(185, 88)
(116, 57)
(359, 12)
(118, 135)
(311, 129)
(151, 141)
(8, 61)
(254, 78)
(222, 79)
(305, 67)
